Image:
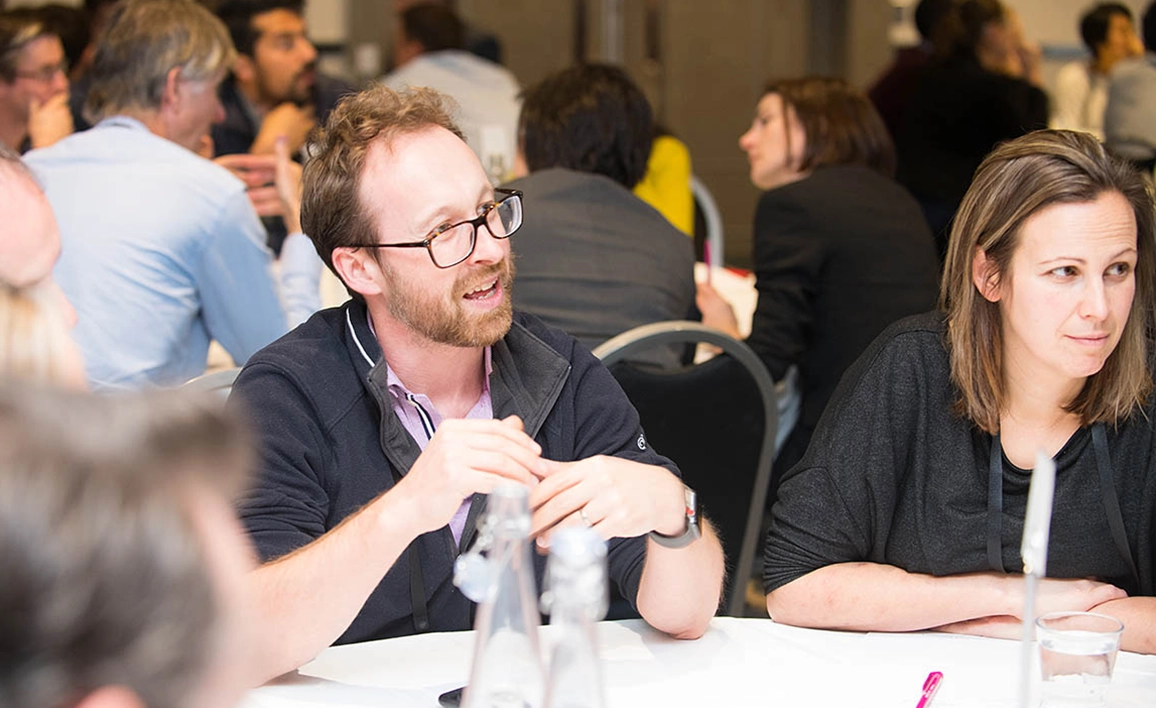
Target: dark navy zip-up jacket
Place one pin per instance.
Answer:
(330, 443)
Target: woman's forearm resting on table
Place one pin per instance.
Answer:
(1139, 617)
(872, 596)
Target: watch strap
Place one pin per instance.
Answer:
(692, 532)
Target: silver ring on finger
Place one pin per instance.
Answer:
(585, 518)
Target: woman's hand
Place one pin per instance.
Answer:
(716, 312)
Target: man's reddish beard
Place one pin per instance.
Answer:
(448, 322)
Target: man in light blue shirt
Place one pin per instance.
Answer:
(162, 249)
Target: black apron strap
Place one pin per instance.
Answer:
(995, 507)
(417, 589)
(1111, 501)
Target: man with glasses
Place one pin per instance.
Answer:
(33, 83)
(385, 422)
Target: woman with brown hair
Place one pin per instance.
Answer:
(840, 249)
(907, 512)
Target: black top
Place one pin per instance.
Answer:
(237, 132)
(958, 113)
(838, 257)
(330, 443)
(894, 477)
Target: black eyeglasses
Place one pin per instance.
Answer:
(45, 74)
(452, 244)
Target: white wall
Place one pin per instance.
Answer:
(1055, 23)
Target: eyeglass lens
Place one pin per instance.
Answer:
(456, 244)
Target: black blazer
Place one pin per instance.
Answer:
(839, 255)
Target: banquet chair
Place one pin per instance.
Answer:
(708, 223)
(217, 382)
(716, 420)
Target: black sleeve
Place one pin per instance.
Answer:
(227, 141)
(788, 261)
(838, 504)
(288, 505)
(607, 424)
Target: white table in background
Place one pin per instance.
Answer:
(739, 662)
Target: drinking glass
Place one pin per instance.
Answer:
(1077, 655)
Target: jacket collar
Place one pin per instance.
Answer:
(527, 378)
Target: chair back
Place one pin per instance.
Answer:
(217, 382)
(716, 420)
(708, 223)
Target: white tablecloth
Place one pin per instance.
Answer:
(739, 662)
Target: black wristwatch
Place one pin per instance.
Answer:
(692, 531)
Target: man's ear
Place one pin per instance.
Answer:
(984, 276)
(245, 70)
(111, 697)
(173, 91)
(358, 269)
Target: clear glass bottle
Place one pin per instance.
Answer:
(576, 598)
(507, 668)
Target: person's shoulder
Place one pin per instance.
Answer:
(1133, 67)
(560, 342)
(320, 335)
(554, 181)
(909, 342)
(1073, 73)
(313, 356)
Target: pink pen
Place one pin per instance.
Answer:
(706, 258)
(930, 686)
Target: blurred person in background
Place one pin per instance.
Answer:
(33, 82)
(96, 14)
(593, 259)
(666, 183)
(273, 91)
(829, 279)
(430, 51)
(1081, 93)
(1129, 125)
(984, 87)
(892, 91)
(163, 249)
(34, 340)
(274, 87)
(124, 564)
(29, 235)
(476, 41)
(35, 317)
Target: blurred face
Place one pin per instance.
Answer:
(416, 185)
(1068, 292)
(283, 59)
(230, 557)
(40, 76)
(30, 239)
(774, 144)
(1120, 43)
(195, 109)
